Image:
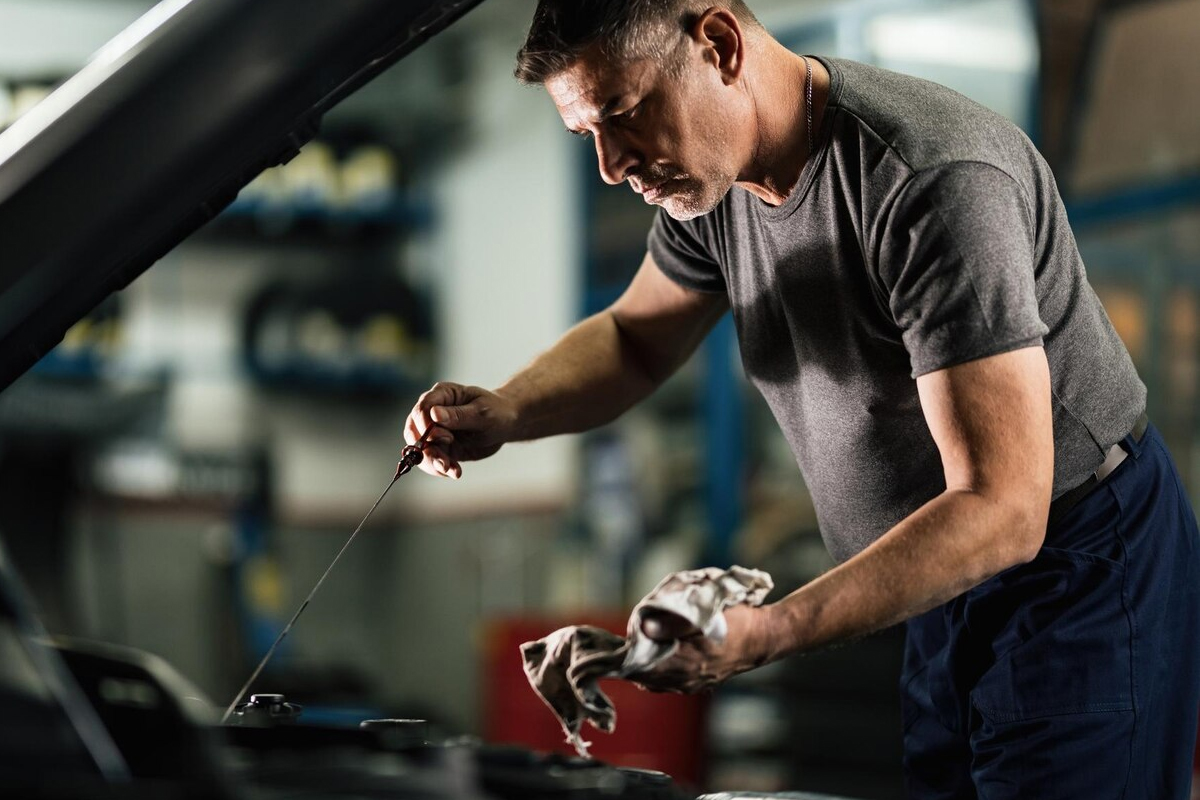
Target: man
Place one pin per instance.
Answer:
(909, 299)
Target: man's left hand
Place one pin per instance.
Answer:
(699, 664)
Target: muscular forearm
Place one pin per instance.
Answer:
(590, 377)
(949, 545)
(946, 547)
(596, 371)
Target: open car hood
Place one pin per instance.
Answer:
(160, 131)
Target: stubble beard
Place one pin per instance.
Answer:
(702, 192)
(696, 198)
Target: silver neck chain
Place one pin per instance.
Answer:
(808, 106)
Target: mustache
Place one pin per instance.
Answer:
(656, 174)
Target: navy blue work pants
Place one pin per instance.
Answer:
(1076, 675)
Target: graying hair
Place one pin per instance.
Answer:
(624, 30)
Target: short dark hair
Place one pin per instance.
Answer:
(624, 29)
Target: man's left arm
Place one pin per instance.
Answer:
(991, 421)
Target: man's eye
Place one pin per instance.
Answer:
(581, 134)
(632, 113)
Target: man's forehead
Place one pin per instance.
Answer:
(593, 83)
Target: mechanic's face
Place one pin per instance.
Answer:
(664, 133)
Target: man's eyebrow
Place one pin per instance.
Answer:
(607, 109)
(604, 113)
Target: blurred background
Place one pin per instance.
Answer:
(178, 473)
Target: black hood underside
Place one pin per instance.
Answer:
(159, 133)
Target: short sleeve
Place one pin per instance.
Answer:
(956, 259)
(684, 253)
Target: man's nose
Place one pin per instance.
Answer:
(615, 157)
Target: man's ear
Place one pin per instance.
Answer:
(717, 31)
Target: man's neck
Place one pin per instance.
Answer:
(782, 148)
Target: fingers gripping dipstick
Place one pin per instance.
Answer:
(414, 454)
(410, 456)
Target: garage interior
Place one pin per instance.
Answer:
(178, 473)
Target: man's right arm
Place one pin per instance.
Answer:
(594, 373)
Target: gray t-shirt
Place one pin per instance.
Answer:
(925, 232)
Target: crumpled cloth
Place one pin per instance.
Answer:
(565, 667)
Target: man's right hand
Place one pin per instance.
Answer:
(472, 424)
